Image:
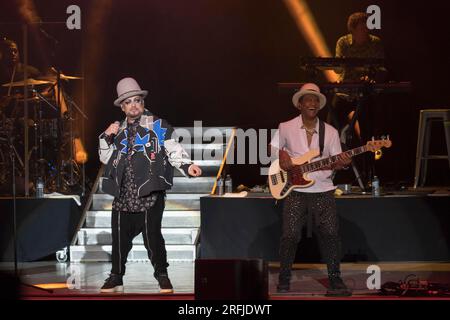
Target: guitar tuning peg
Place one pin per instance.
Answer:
(373, 138)
(388, 137)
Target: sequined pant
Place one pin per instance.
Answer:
(322, 206)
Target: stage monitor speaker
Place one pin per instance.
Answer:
(231, 279)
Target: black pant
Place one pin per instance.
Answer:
(322, 206)
(127, 225)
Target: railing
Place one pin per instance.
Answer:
(219, 173)
(88, 204)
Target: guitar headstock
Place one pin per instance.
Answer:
(375, 145)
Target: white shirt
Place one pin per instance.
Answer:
(292, 138)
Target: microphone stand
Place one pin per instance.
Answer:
(71, 119)
(41, 159)
(12, 154)
(58, 103)
(45, 100)
(58, 106)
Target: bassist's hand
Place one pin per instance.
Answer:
(344, 161)
(285, 160)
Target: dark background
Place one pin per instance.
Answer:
(220, 62)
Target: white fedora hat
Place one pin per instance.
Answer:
(309, 88)
(128, 87)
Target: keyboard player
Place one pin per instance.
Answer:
(359, 43)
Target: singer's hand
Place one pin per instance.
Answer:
(194, 170)
(113, 128)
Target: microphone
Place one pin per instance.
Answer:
(112, 136)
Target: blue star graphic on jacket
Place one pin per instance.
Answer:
(124, 142)
(139, 142)
(160, 132)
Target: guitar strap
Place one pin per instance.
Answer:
(321, 136)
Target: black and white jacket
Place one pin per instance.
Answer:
(156, 152)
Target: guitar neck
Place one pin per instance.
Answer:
(319, 164)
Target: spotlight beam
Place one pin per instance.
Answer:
(306, 24)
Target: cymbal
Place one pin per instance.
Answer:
(63, 76)
(30, 82)
(52, 78)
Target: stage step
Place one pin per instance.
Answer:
(192, 185)
(102, 236)
(174, 201)
(206, 155)
(182, 184)
(102, 253)
(206, 146)
(202, 136)
(171, 219)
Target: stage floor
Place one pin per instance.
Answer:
(309, 281)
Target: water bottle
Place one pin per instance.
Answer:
(220, 186)
(39, 188)
(228, 184)
(375, 187)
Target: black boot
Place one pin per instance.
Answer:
(113, 284)
(164, 282)
(337, 288)
(284, 280)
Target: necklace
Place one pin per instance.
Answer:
(309, 131)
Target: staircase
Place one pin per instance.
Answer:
(181, 218)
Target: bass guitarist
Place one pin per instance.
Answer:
(315, 203)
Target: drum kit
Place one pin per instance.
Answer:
(48, 130)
